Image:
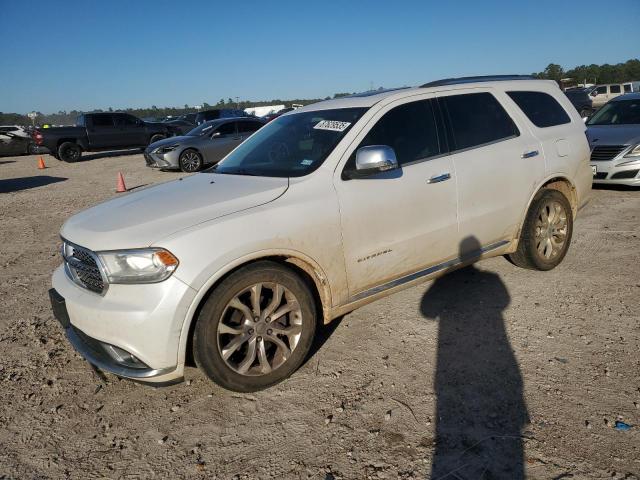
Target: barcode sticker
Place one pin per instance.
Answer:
(333, 125)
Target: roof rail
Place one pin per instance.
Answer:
(482, 78)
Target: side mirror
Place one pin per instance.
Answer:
(594, 94)
(375, 158)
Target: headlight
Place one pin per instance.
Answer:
(145, 265)
(167, 149)
(635, 152)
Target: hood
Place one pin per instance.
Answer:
(182, 139)
(139, 219)
(613, 134)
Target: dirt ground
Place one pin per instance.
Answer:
(491, 367)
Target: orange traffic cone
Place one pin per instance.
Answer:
(120, 188)
(41, 165)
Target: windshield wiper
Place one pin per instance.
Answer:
(238, 171)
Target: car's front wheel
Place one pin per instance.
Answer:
(256, 327)
(546, 233)
(190, 161)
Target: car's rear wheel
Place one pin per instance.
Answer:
(32, 149)
(546, 233)
(69, 152)
(190, 161)
(256, 328)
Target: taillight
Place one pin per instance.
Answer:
(37, 137)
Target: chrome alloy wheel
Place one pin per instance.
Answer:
(190, 161)
(259, 329)
(551, 229)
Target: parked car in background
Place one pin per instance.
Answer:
(208, 115)
(580, 99)
(319, 212)
(96, 132)
(614, 137)
(273, 116)
(204, 145)
(180, 126)
(601, 94)
(16, 140)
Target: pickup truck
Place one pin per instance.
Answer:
(94, 132)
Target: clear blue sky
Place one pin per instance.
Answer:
(63, 55)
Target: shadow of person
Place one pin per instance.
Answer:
(480, 409)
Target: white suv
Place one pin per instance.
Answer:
(321, 211)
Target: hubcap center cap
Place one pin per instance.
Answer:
(261, 328)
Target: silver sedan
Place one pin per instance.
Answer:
(206, 144)
(614, 136)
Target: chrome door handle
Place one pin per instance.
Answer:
(439, 178)
(531, 154)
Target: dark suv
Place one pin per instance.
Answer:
(580, 99)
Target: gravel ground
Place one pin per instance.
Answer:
(490, 368)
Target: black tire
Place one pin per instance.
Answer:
(32, 149)
(190, 161)
(208, 343)
(585, 112)
(528, 255)
(156, 138)
(69, 152)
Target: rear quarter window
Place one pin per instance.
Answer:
(477, 119)
(541, 108)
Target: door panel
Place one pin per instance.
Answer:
(131, 133)
(102, 132)
(397, 222)
(217, 147)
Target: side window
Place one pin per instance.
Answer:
(614, 89)
(477, 119)
(627, 88)
(125, 121)
(248, 127)
(601, 90)
(227, 129)
(541, 108)
(409, 129)
(102, 121)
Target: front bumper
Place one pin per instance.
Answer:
(161, 160)
(94, 351)
(617, 171)
(143, 320)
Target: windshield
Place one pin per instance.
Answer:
(292, 145)
(204, 129)
(621, 112)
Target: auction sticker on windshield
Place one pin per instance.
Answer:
(333, 125)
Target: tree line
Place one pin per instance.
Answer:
(596, 74)
(606, 73)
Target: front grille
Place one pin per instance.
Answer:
(625, 174)
(83, 268)
(602, 153)
(600, 175)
